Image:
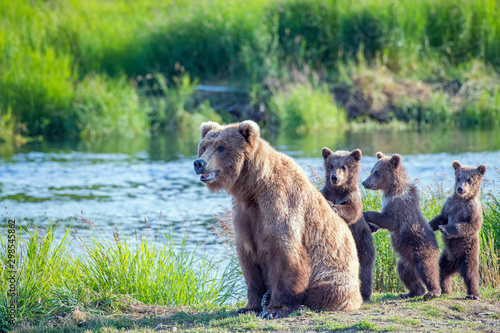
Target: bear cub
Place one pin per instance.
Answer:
(411, 236)
(341, 188)
(459, 222)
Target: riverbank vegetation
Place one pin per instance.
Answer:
(100, 272)
(74, 276)
(87, 69)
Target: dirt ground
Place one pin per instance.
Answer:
(386, 313)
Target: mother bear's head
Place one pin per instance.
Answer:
(222, 152)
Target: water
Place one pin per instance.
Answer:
(150, 183)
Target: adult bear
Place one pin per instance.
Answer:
(288, 239)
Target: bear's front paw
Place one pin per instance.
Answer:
(472, 297)
(373, 228)
(442, 228)
(276, 313)
(246, 310)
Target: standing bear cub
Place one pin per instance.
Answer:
(460, 221)
(411, 236)
(341, 188)
(289, 242)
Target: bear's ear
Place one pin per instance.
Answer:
(380, 155)
(456, 165)
(356, 154)
(326, 152)
(207, 127)
(395, 160)
(482, 169)
(250, 130)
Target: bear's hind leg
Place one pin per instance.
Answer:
(410, 279)
(447, 269)
(333, 296)
(366, 262)
(470, 272)
(428, 271)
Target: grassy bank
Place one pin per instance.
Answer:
(90, 68)
(386, 313)
(62, 281)
(58, 274)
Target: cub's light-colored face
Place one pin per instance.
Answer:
(340, 165)
(383, 172)
(468, 179)
(222, 152)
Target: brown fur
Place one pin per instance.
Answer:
(411, 236)
(341, 188)
(459, 222)
(288, 239)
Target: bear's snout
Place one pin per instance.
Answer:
(199, 165)
(460, 190)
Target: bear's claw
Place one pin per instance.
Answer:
(430, 296)
(276, 313)
(472, 297)
(265, 300)
(246, 310)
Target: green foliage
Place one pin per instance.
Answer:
(304, 108)
(10, 129)
(53, 53)
(56, 276)
(104, 106)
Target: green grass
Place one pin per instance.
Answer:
(63, 61)
(305, 108)
(93, 274)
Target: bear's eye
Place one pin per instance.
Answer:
(331, 167)
(343, 167)
(469, 180)
(377, 173)
(220, 149)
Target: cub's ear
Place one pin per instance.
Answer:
(380, 155)
(207, 127)
(482, 169)
(356, 154)
(250, 130)
(456, 165)
(326, 152)
(395, 160)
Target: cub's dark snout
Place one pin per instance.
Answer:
(199, 165)
(334, 178)
(460, 190)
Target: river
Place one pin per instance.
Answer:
(149, 183)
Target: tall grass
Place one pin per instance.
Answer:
(303, 107)
(49, 49)
(57, 276)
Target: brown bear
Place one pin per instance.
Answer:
(460, 221)
(288, 240)
(342, 190)
(411, 236)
